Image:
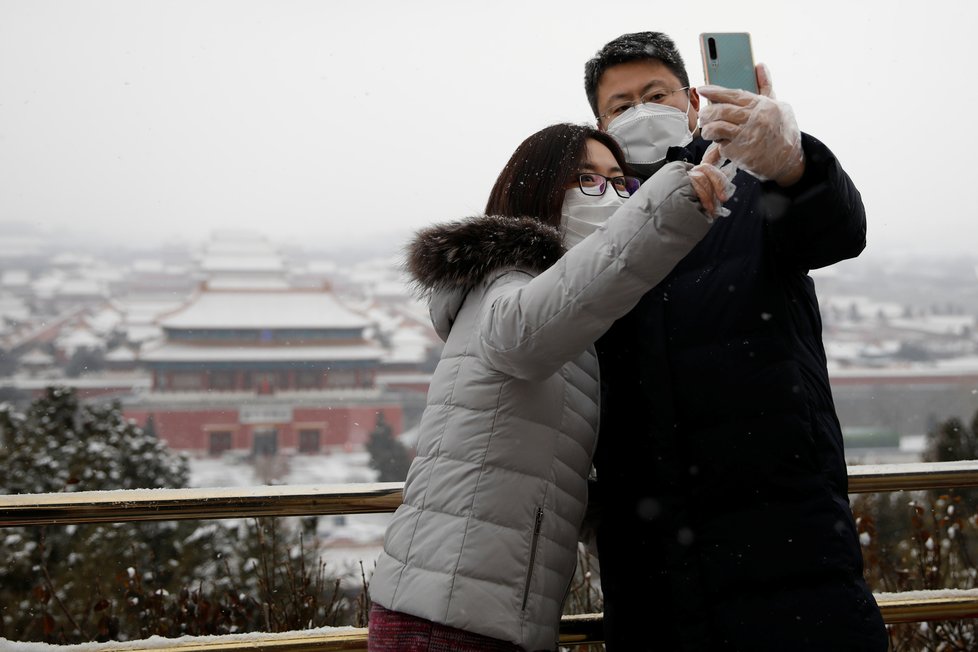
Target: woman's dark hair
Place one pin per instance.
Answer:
(534, 180)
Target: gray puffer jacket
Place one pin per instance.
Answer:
(486, 539)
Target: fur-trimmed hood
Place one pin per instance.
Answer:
(462, 254)
(447, 260)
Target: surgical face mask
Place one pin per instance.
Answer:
(647, 131)
(582, 214)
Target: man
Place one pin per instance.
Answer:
(721, 480)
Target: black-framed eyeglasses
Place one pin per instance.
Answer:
(654, 96)
(594, 185)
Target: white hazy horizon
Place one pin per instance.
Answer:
(314, 122)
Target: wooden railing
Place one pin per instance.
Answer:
(309, 500)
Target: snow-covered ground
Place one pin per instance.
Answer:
(347, 540)
(232, 471)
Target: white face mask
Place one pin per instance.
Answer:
(582, 214)
(647, 131)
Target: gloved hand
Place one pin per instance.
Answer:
(757, 132)
(712, 184)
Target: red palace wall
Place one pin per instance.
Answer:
(345, 427)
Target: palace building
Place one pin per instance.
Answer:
(251, 363)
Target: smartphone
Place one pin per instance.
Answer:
(728, 60)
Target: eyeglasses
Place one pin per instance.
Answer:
(594, 185)
(655, 96)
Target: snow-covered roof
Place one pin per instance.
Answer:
(408, 345)
(963, 363)
(318, 267)
(264, 310)
(241, 282)
(121, 354)
(129, 381)
(318, 398)
(147, 265)
(104, 320)
(143, 332)
(145, 309)
(390, 289)
(943, 369)
(48, 283)
(68, 259)
(170, 352)
(14, 308)
(252, 263)
(81, 287)
(241, 252)
(36, 357)
(937, 324)
(865, 305)
(79, 338)
(403, 378)
(15, 278)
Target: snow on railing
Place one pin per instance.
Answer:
(911, 606)
(309, 500)
(320, 500)
(872, 478)
(122, 505)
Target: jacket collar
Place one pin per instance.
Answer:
(691, 153)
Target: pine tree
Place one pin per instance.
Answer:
(949, 441)
(150, 428)
(61, 574)
(952, 440)
(387, 455)
(60, 445)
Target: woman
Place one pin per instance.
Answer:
(481, 553)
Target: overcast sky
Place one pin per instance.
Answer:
(330, 121)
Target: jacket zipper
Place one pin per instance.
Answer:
(533, 553)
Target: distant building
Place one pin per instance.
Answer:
(880, 406)
(251, 363)
(264, 341)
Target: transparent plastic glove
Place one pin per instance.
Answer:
(755, 131)
(712, 184)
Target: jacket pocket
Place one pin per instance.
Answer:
(537, 524)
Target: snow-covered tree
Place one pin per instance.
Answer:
(61, 445)
(57, 575)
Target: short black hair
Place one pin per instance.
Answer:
(533, 182)
(632, 47)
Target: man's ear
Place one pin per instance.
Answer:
(694, 99)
